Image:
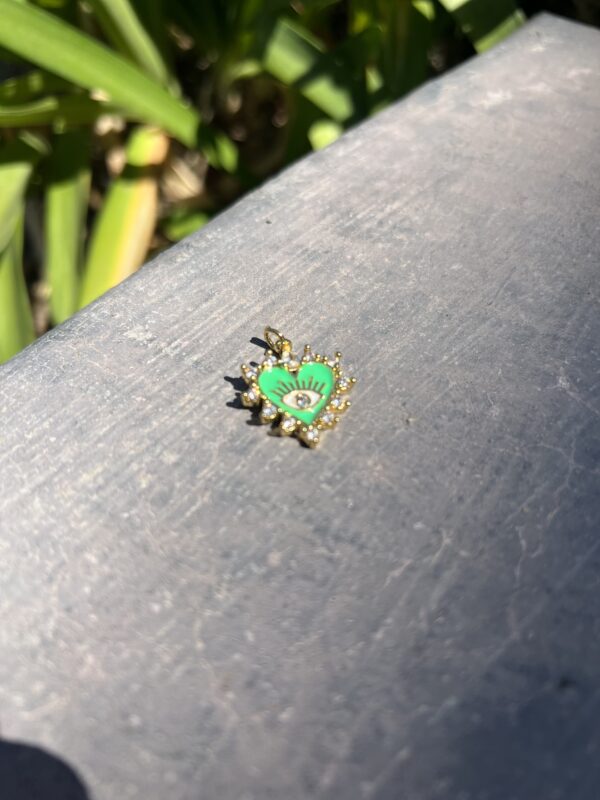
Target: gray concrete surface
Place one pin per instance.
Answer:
(193, 609)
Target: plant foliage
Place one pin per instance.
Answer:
(131, 122)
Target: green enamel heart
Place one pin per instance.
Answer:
(311, 380)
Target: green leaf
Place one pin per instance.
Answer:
(323, 132)
(405, 35)
(67, 190)
(16, 322)
(182, 223)
(152, 14)
(426, 8)
(373, 80)
(56, 111)
(413, 36)
(509, 25)
(124, 227)
(485, 23)
(33, 84)
(47, 41)
(17, 161)
(218, 149)
(296, 58)
(241, 70)
(122, 26)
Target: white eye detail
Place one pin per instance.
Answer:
(302, 399)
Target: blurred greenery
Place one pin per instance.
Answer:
(127, 124)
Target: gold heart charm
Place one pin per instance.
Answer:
(304, 395)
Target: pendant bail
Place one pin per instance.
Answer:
(277, 341)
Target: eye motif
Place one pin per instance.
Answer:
(301, 394)
(302, 399)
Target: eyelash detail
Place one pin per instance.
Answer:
(284, 388)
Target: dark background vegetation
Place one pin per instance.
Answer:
(93, 182)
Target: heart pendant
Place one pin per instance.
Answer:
(306, 396)
(301, 394)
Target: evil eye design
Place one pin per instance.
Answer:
(302, 399)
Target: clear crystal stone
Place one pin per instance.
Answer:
(336, 402)
(269, 361)
(302, 400)
(343, 384)
(268, 411)
(312, 434)
(290, 360)
(327, 418)
(288, 424)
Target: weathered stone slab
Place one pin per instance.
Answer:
(191, 608)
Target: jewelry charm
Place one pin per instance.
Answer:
(304, 395)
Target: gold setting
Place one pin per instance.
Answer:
(280, 354)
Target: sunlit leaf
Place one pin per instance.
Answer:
(182, 223)
(218, 149)
(124, 226)
(297, 59)
(247, 68)
(45, 40)
(123, 28)
(17, 160)
(485, 23)
(67, 189)
(508, 25)
(426, 8)
(323, 132)
(16, 323)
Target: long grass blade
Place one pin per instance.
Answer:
(296, 58)
(48, 42)
(67, 190)
(122, 26)
(17, 161)
(124, 227)
(16, 322)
